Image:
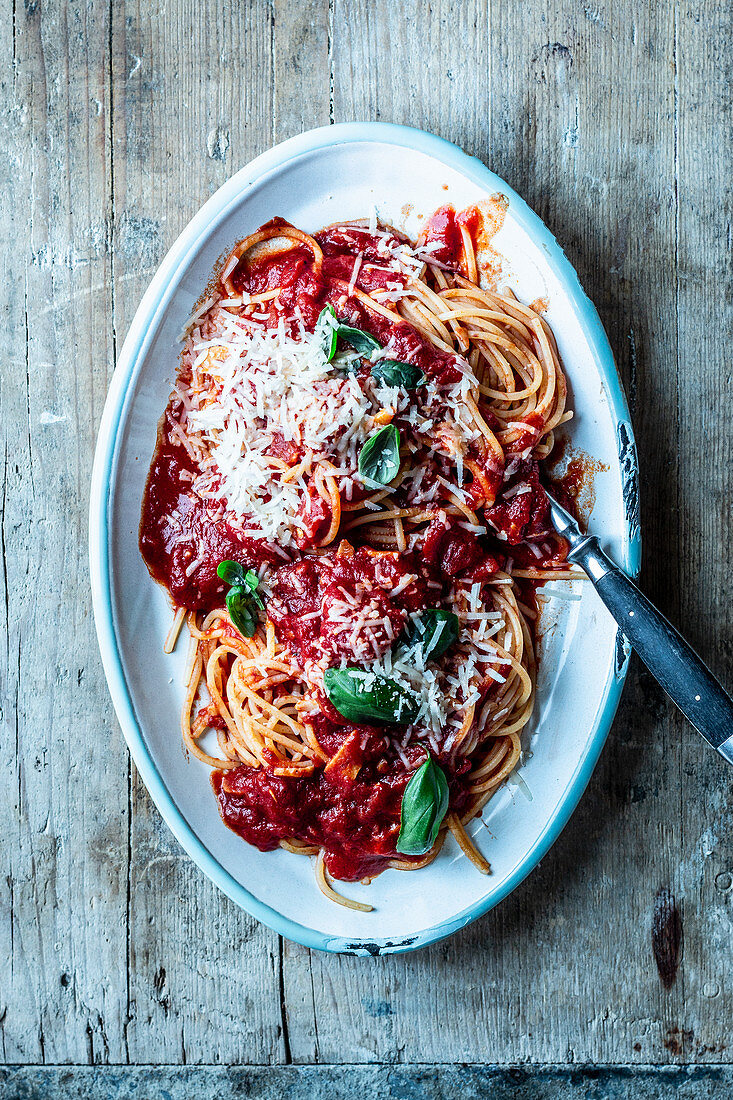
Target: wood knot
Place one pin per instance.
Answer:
(666, 936)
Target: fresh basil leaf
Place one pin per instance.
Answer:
(330, 339)
(379, 460)
(242, 599)
(241, 612)
(360, 341)
(424, 805)
(383, 702)
(433, 633)
(252, 582)
(231, 572)
(395, 373)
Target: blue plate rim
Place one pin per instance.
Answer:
(153, 302)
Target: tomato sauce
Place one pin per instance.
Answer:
(356, 820)
(305, 291)
(350, 807)
(178, 528)
(310, 596)
(442, 236)
(183, 554)
(573, 477)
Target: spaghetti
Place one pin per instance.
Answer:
(311, 357)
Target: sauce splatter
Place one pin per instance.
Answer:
(482, 221)
(575, 472)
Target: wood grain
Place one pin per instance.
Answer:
(63, 805)
(704, 526)
(558, 101)
(179, 122)
(613, 120)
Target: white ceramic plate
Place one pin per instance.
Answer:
(329, 174)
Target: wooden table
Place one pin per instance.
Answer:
(118, 120)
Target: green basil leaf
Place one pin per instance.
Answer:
(383, 702)
(360, 341)
(252, 582)
(395, 373)
(424, 805)
(241, 612)
(243, 599)
(433, 633)
(231, 572)
(379, 460)
(330, 339)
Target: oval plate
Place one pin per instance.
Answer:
(325, 175)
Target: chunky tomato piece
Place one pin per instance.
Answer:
(315, 516)
(523, 510)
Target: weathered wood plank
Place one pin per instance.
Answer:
(429, 1082)
(302, 69)
(424, 65)
(600, 168)
(63, 807)
(614, 121)
(301, 39)
(704, 143)
(203, 977)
